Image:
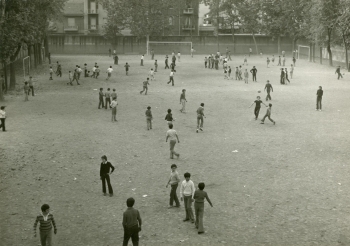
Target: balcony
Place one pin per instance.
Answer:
(71, 28)
(206, 27)
(188, 11)
(188, 28)
(93, 11)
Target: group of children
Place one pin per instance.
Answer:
(108, 103)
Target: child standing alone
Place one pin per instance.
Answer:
(46, 220)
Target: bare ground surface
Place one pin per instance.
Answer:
(288, 184)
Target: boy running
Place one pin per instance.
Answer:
(151, 74)
(257, 102)
(171, 77)
(145, 87)
(127, 68)
(337, 71)
(268, 115)
(109, 72)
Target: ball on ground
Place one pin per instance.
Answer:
(259, 91)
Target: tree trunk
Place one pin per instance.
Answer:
(346, 51)
(320, 55)
(310, 52)
(1, 92)
(34, 56)
(279, 44)
(40, 54)
(233, 39)
(46, 45)
(5, 76)
(147, 42)
(256, 46)
(313, 52)
(329, 47)
(12, 74)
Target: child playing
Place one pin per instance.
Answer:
(149, 117)
(199, 196)
(246, 76)
(114, 94)
(46, 220)
(97, 71)
(142, 60)
(100, 96)
(267, 61)
(155, 65)
(229, 72)
(291, 70)
(145, 87)
(205, 62)
(172, 135)
(26, 91)
(245, 60)
(257, 106)
(51, 72)
(93, 72)
(186, 193)
(236, 73)
(273, 58)
(113, 105)
(169, 117)
(225, 73)
(174, 181)
(132, 223)
(108, 98)
(151, 74)
(268, 115)
(183, 101)
(127, 68)
(178, 55)
(109, 72)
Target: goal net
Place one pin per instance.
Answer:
(304, 52)
(26, 67)
(167, 48)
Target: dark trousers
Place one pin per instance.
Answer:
(166, 65)
(101, 103)
(2, 124)
(287, 78)
(282, 80)
(86, 73)
(141, 62)
(188, 207)
(268, 96)
(173, 196)
(268, 116)
(319, 103)
(133, 233)
(108, 102)
(31, 88)
(199, 211)
(254, 77)
(256, 112)
(339, 75)
(205, 64)
(104, 179)
(171, 79)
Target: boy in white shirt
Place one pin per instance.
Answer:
(186, 193)
(171, 77)
(113, 105)
(142, 60)
(178, 55)
(109, 72)
(151, 74)
(2, 118)
(172, 135)
(93, 72)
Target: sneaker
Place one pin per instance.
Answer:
(320, 110)
(200, 232)
(186, 220)
(274, 122)
(201, 129)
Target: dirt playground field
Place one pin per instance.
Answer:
(284, 184)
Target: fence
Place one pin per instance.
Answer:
(94, 44)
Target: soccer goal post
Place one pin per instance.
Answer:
(160, 47)
(26, 67)
(304, 52)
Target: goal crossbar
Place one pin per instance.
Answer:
(166, 42)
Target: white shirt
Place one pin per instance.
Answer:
(141, 57)
(171, 134)
(114, 104)
(94, 69)
(151, 72)
(178, 54)
(171, 74)
(187, 188)
(2, 114)
(109, 70)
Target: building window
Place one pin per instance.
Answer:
(171, 21)
(71, 22)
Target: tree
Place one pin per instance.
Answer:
(343, 28)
